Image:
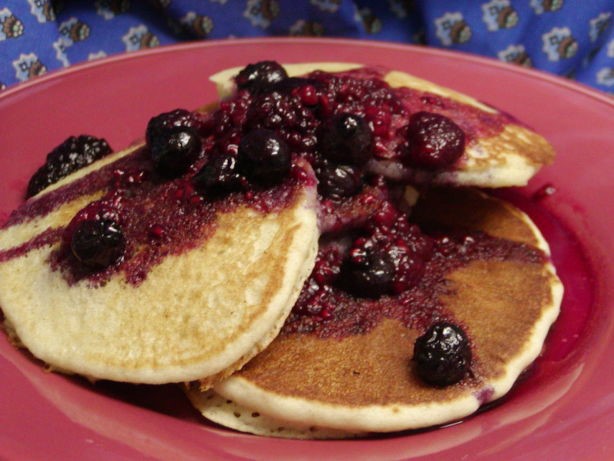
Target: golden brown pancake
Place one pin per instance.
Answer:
(506, 157)
(201, 311)
(367, 382)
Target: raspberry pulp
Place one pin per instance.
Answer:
(434, 141)
(389, 258)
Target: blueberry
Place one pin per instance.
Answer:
(337, 181)
(98, 243)
(434, 141)
(173, 153)
(371, 277)
(442, 355)
(264, 158)
(73, 154)
(259, 75)
(162, 124)
(346, 139)
(219, 176)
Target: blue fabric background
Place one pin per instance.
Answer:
(572, 38)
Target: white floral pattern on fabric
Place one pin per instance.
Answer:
(552, 35)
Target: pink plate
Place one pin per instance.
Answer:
(561, 409)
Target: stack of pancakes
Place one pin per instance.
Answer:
(212, 315)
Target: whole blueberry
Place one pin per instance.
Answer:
(371, 277)
(264, 157)
(163, 124)
(346, 139)
(337, 181)
(259, 75)
(219, 176)
(174, 152)
(442, 354)
(434, 141)
(98, 243)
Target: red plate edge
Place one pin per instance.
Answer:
(597, 249)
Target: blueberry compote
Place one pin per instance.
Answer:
(389, 268)
(255, 150)
(157, 217)
(348, 118)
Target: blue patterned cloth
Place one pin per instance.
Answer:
(572, 38)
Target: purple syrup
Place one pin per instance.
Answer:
(100, 180)
(484, 395)
(168, 218)
(327, 310)
(45, 238)
(293, 110)
(158, 218)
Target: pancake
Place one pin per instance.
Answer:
(367, 382)
(178, 316)
(506, 156)
(228, 414)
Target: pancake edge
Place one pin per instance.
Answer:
(297, 413)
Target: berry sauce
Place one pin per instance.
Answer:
(158, 217)
(325, 122)
(327, 308)
(161, 218)
(132, 168)
(297, 107)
